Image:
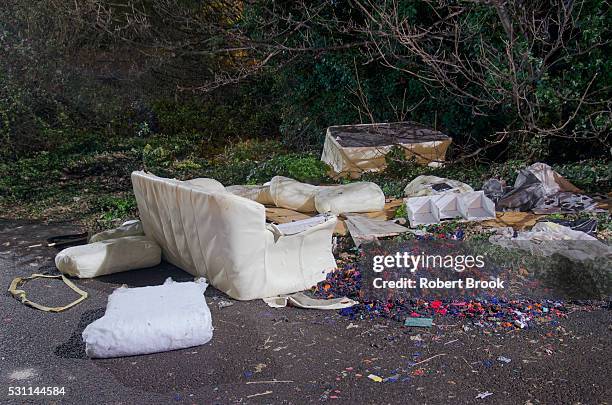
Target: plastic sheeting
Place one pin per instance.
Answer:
(353, 197)
(536, 187)
(433, 185)
(108, 257)
(128, 228)
(355, 149)
(151, 320)
(224, 238)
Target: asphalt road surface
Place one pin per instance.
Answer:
(264, 355)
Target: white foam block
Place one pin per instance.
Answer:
(150, 320)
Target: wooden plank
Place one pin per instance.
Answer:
(284, 215)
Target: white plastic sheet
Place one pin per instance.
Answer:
(150, 320)
(108, 257)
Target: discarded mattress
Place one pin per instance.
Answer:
(353, 197)
(470, 206)
(355, 149)
(261, 194)
(108, 257)
(292, 194)
(128, 228)
(150, 320)
(224, 238)
(433, 185)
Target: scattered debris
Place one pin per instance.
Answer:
(504, 359)
(483, 395)
(375, 378)
(259, 394)
(432, 185)
(419, 322)
(224, 304)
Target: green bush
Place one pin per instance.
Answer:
(301, 167)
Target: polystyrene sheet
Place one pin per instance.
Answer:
(422, 211)
(475, 206)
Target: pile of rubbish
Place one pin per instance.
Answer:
(221, 234)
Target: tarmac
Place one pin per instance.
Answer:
(288, 355)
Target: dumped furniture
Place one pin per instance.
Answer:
(225, 238)
(351, 150)
(150, 320)
(259, 193)
(108, 256)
